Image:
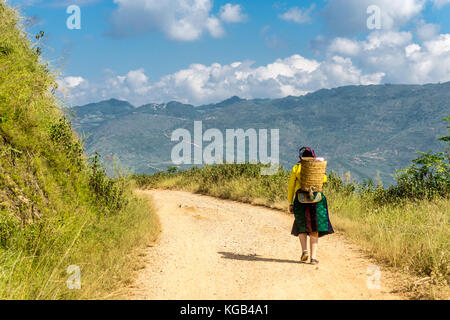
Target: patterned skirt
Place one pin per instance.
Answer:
(311, 217)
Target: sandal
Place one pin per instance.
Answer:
(305, 256)
(314, 261)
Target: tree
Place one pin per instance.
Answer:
(426, 178)
(447, 138)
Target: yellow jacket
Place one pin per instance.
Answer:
(294, 182)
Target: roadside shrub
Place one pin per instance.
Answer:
(108, 192)
(336, 183)
(427, 178)
(61, 134)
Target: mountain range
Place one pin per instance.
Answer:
(369, 131)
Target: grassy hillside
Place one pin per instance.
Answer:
(56, 208)
(367, 130)
(407, 234)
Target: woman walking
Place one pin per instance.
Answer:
(311, 219)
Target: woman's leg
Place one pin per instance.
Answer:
(313, 242)
(302, 237)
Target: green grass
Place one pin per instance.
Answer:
(56, 208)
(411, 235)
(102, 247)
(241, 182)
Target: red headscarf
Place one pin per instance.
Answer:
(306, 152)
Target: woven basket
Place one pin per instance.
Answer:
(312, 174)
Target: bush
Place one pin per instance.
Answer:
(427, 178)
(336, 183)
(109, 192)
(61, 134)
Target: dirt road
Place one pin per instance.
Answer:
(217, 249)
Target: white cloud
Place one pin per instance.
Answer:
(79, 85)
(439, 46)
(347, 17)
(214, 27)
(345, 47)
(397, 56)
(199, 84)
(419, 56)
(179, 20)
(427, 31)
(136, 81)
(412, 49)
(391, 57)
(297, 15)
(232, 13)
(383, 40)
(440, 3)
(70, 82)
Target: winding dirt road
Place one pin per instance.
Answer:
(219, 249)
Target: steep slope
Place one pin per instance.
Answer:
(368, 130)
(56, 208)
(39, 153)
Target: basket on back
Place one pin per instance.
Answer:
(312, 174)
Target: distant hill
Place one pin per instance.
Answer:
(368, 130)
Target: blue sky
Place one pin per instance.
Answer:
(201, 51)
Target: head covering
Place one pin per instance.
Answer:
(306, 152)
